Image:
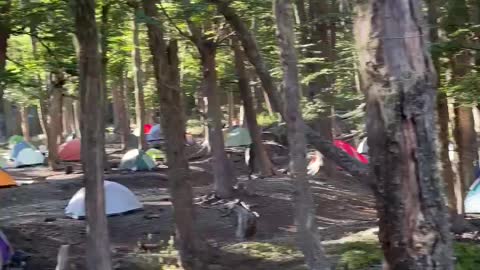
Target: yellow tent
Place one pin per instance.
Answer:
(6, 180)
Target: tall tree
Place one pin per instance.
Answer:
(263, 161)
(92, 124)
(138, 78)
(207, 44)
(4, 35)
(443, 118)
(165, 62)
(399, 80)
(308, 237)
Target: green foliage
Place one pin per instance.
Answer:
(467, 256)
(359, 255)
(265, 119)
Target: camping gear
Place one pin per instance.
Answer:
(147, 128)
(363, 147)
(155, 134)
(71, 137)
(155, 153)
(118, 200)
(6, 180)
(237, 137)
(13, 140)
(472, 200)
(351, 151)
(6, 250)
(136, 160)
(19, 147)
(70, 151)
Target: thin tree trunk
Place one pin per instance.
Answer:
(54, 119)
(68, 115)
(399, 80)
(222, 170)
(43, 114)
(138, 77)
(77, 115)
(231, 108)
(449, 178)
(92, 124)
(263, 161)
(25, 123)
(165, 62)
(308, 237)
(121, 116)
(4, 35)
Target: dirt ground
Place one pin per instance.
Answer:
(32, 216)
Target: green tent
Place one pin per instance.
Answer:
(155, 153)
(237, 137)
(136, 160)
(13, 140)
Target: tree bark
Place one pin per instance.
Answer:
(68, 115)
(399, 80)
(165, 62)
(4, 35)
(263, 161)
(25, 123)
(222, 170)
(308, 237)
(121, 116)
(54, 118)
(77, 115)
(92, 124)
(138, 81)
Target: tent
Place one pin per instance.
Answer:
(237, 137)
(13, 140)
(70, 151)
(363, 147)
(155, 154)
(6, 180)
(28, 157)
(472, 200)
(19, 147)
(6, 250)
(118, 199)
(136, 160)
(350, 150)
(156, 134)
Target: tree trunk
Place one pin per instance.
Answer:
(231, 108)
(92, 124)
(54, 117)
(262, 159)
(138, 77)
(104, 24)
(221, 167)
(68, 115)
(43, 114)
(399, 80)
(121, 116)
(308, 237)
(4, 35)
(25, 123)
(165, 62)
(450, 180)
(77, 115)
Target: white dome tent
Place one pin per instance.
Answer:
(118, 199)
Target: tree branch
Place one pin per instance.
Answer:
(170, 20)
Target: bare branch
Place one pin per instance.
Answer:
(170, 20)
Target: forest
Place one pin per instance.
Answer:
(239, 134)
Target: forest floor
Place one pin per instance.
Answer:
(32, 216)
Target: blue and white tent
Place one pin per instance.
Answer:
(472, 200)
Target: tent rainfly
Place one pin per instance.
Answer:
(6, 180)
(136, 160)
(237, 137)
(70, 151)
(118, 200)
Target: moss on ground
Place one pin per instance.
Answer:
(467, 256)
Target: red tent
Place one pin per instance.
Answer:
(70, 151)
(147, 128)
(350, 150)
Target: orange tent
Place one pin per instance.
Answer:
(6, 180)
(70, 151)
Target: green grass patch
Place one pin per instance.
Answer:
(266, 120)
(265, 251)
(467, 256)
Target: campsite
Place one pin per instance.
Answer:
(235, 135)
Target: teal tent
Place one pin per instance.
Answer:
(155, 153)
(237, 137)
(472, 200)
(13, 140)
(136, 160)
